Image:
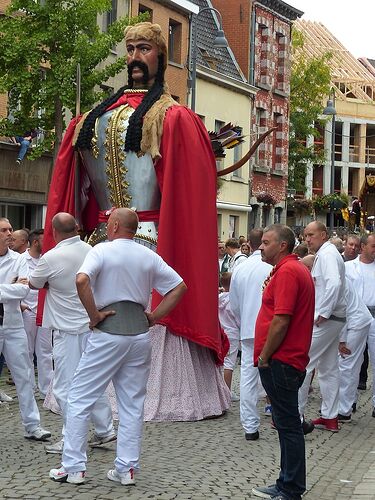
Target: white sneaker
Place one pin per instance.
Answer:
(56, 448)
(61, 476)
(4, 398)
(99, 440)
(38, 434)
(125, 478)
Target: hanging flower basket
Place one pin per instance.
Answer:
(303, 206)
(326, 202)
(266, 198)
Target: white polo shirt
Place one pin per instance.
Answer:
(245, 292)
(63, 309)
(125, 270)
(328, 273)
(12, 266)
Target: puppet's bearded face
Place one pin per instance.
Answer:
(142, 60)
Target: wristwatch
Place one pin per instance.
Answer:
(260, 361)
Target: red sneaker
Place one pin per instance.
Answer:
(328, 424)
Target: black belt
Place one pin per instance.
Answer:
(337, 318)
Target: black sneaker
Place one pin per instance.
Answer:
(18, 161)
(307, 427)
(373, 412)
(252, 436)
(354, 407)
(344, 418)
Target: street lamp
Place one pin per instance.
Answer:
(330, 110)
(220, 41)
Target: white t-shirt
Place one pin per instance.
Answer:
(328, 273)
(358, 316)
(237, 259)
(368, 274)
(246, 292)
(62, 310)
(229, 323)
(31, 300)
(125, 270)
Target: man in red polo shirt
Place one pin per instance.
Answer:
(283, 334)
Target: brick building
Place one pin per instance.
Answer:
(259, 34)
(223, 95)
(174, 19)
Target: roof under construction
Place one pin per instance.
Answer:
(351, 79)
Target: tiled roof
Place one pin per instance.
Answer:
(223, 60)
(282, 8)
(368, 64)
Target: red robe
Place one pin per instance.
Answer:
(187, 236)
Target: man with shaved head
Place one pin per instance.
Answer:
(328, 272)
(20, 241)
(67, 318)
(114, 284)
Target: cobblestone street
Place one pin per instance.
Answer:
(198, 460)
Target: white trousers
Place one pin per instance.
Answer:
(67, 351)
(350, 366)
(125, 360)
(13, 344)
(40, 342)
(324, 357)
(371, 352)
(231, 357)
(249, 388)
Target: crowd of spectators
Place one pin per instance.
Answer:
(262, 294)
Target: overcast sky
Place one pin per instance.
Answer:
(352, 23)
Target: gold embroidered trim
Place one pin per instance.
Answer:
(98, 235)
(115, 157)
(144, 237)
(94, 141)
(135, 91)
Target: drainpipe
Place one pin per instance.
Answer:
(252, 45)
(189, 61)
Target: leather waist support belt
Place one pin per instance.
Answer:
(130, 319)
(336, 318)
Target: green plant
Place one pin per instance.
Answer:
(328, 201)
(41, 44)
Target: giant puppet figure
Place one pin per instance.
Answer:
(141, 149)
